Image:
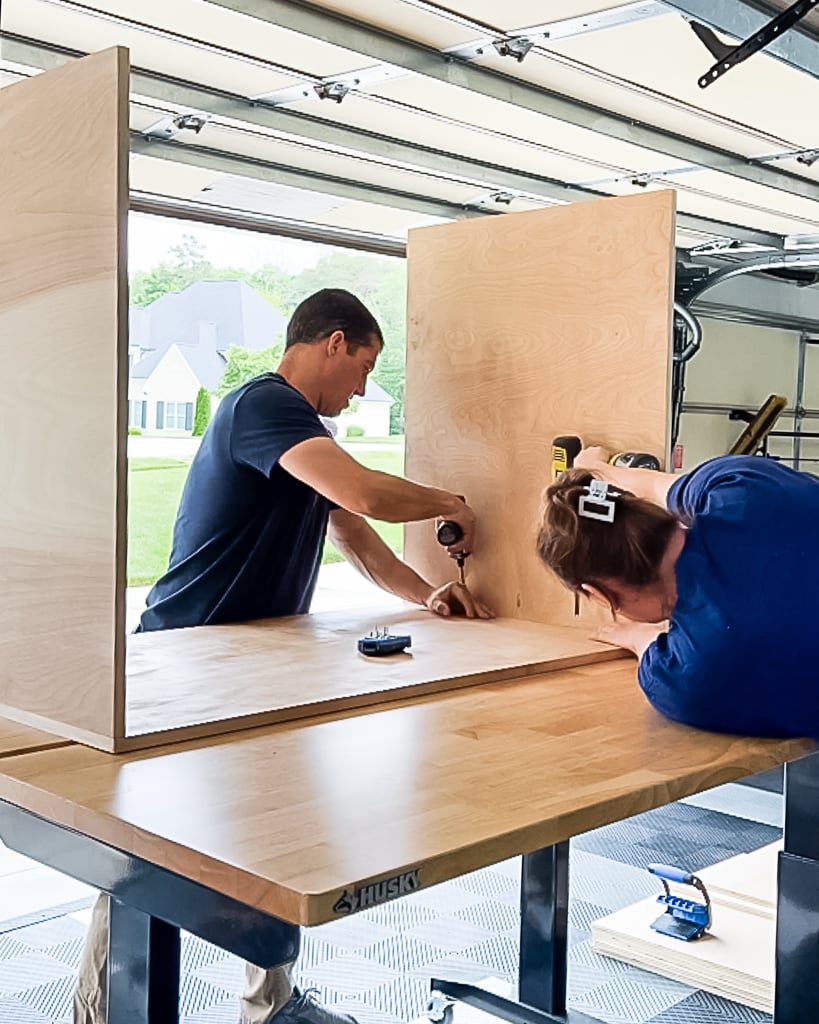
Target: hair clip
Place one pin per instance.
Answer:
(598, 502)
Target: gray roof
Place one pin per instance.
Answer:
(204, 320)
(207, 365)
(375, 393)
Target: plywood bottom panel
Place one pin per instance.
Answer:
(19, 739)
(213, 679)
(735, 959)
(62, 733)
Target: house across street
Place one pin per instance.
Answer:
(179, 344)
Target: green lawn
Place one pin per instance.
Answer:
(154, 488)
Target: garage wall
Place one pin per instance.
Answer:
(741, 365)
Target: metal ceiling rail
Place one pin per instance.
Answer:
(357, 141)
(283, 174)
(218, 50)
(315, 22)
(690, 222)
(805, 260)
(250, 167)
(221, 216)
(308, 85)
(33, 53)
(269, 113)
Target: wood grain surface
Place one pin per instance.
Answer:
(194, 682)
(18, 739)
(522, 327)
(63, 309)
(289, 817)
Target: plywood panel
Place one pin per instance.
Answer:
(214, 678)
(747, 881)
(63, 303)
(522, 327)
(289, 816)
(17, 739)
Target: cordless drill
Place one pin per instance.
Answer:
(635, 460)
(566, 448)
(449, 532)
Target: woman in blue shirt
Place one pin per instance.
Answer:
(713, 573)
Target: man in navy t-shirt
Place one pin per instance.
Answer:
(735, 586)
(266, 485)
(248, 536)
(268, 481)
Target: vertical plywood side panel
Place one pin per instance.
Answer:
(63, 339)
(120, 398)
(522, 327)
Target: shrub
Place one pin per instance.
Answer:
(201, 414)
(354, 431)
(135, 431)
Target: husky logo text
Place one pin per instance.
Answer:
(377, 892)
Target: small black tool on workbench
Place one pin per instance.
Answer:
(381, 643)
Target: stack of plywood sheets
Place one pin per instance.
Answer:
(735, 959)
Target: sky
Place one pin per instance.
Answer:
(150, 238)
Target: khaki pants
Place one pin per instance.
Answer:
(265, 992)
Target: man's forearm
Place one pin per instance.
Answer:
(321, 464)
(363, 548)
(393, 499)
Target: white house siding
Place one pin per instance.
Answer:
(173, 381)
(373, 417)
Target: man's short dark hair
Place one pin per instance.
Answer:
(333, 309)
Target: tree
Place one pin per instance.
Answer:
(201, 413)
(186, 264)
(380, 283)
(242, 364)
(189, 254)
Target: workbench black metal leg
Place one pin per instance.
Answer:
(544, 921)
(796, 998)
(544, 928)
(143, 968)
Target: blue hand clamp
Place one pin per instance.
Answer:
(683, 919)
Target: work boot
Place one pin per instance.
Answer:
(301, 1008)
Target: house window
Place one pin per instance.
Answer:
(178, 415)
(137, 413)
(175, 420)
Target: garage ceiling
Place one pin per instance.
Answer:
(356, 120)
